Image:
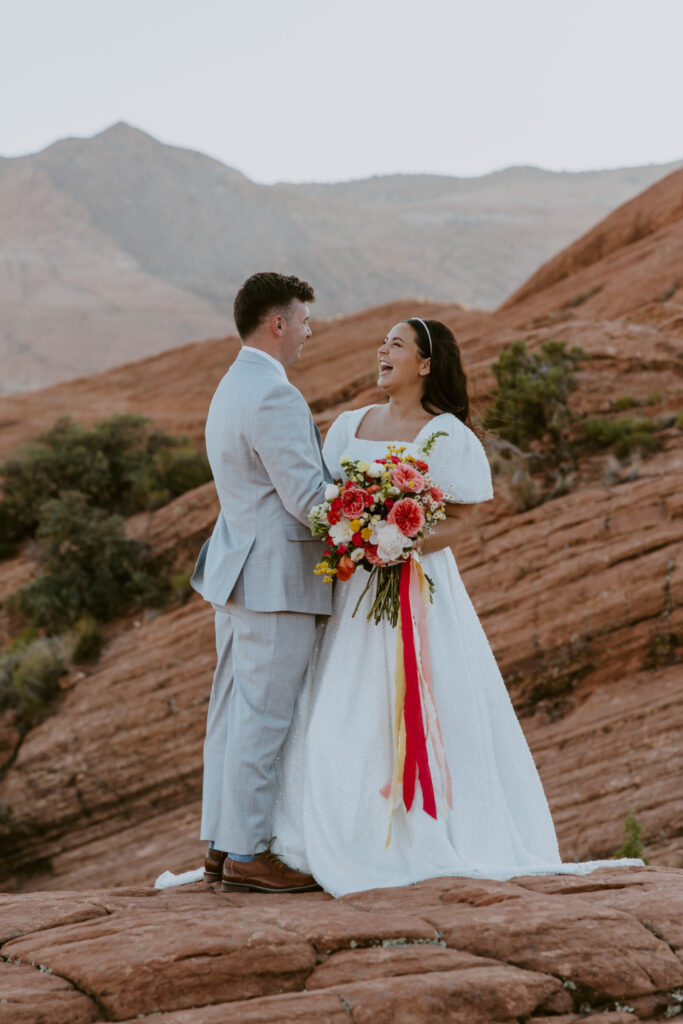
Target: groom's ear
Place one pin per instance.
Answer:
(277, 324)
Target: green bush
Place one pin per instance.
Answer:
(623, 436)
(632, 845)
(29, 678)
(119, 465)
(625, 402)
(86, 641)
(89, 567)
(531, 400)
(654, 398)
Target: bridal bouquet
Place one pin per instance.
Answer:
(374, 518)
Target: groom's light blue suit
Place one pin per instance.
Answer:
(257, 571)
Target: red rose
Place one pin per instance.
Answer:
(342, 549)
(408, 516)
(422, 466)
(333, 516)
(436, 494)
(353, 502)
(336, 504)
(389, 502)
(357, 540)
(327, 552)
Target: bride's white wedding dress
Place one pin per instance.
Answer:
(330, 817)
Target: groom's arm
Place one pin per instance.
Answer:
(284, 440)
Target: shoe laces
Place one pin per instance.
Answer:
(272, 858)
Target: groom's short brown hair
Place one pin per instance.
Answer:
(264, 292)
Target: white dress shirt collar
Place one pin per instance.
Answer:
(266, 355)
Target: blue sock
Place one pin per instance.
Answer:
(243, 858)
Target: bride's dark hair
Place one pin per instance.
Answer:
(446, 385)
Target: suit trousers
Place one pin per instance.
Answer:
(262, 660)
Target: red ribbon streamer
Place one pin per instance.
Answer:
(417, 760)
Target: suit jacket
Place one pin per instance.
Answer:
(266, 458)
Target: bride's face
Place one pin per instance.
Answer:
(400, 364)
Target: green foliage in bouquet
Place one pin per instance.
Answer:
(119, 464)
(531, 400)
(89, 567)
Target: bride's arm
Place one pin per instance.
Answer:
(449, 530)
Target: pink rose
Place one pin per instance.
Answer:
(353, 502)
(436, 494)
(371, 555)
(408, 516)
(407, 478)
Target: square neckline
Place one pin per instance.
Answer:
(367, 440)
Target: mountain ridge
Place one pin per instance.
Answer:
(147, 217)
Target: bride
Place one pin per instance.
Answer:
(331, 818)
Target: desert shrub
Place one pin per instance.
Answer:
(531, 400)
(623, 436)
(89, 567)
(632, 845)
(654, 397)
(625, 403)
(119, 464)
(183, 470)
(181, 587)
(29, 677)
(85, 640)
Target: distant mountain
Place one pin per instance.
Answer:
(118, 246)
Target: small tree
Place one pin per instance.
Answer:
(531, 400)
(90, 567)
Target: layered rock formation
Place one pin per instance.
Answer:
(553, 950)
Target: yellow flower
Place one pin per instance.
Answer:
(363, 466)
(355, 525)
(366, 533)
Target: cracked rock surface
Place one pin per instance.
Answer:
(604, 948)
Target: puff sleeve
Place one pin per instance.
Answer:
(458, 462)
(336, 441)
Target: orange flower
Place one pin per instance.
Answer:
(345, 568)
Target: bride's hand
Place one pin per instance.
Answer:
(448, 531)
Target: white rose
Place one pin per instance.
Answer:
(331, 492)
(375, 469)
(389, 541)
(357, 554)
(341, 532)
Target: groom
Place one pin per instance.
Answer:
(257, 571)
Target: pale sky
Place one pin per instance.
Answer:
(328, 90)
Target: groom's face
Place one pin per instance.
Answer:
(296, 329)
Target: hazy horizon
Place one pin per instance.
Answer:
(304, 93)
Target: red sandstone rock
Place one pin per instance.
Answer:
(32, 996)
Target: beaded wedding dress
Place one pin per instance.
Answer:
(330, 816)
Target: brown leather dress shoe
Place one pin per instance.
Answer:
(213, 865)
(265, 873)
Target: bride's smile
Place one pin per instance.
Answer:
(400, 363)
